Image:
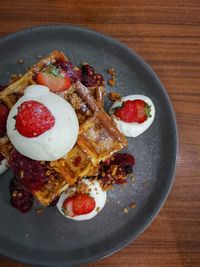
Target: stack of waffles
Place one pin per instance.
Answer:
(98, 137)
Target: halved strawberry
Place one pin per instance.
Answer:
(3, 119)
(33, 119)
(58, 83)
(133, 111)
(83, 204)
(68, 207)
(79, 204)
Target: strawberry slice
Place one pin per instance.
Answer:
(134, 111)
(3, 119)
(58, 83)
(79, 204)
(33, 119)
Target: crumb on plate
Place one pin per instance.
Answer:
(112, 80)
(132, 205)
(40, 210)
(21, 61)
(113, 96)
(125, 210)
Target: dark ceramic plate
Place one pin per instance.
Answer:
(49, 239)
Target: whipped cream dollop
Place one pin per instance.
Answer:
(95, 192)
(133, 129)
(55, 142)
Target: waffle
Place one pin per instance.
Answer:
(97, 141)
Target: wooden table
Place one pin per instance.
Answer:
(167, 35)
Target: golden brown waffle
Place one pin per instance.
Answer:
(98, 140)
(98, 136)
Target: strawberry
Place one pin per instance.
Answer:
(133, 111)
(3, 119)
(83, 204)
(58, 82)
(79, 204)
(33, 119)
(68, 207)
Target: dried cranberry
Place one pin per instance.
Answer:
(15, 184)
(88, 70)
(88, 78)
(123, 160)
(115, 169)
(22, 200)
(89, 81)
(128, 169)
(1, 157)
(30, 172)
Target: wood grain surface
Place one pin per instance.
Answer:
(167, 35)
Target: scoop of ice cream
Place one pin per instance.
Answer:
(52, 142)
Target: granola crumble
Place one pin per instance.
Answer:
(125, 210)
(132, 205)
(112, 80)
(113, 96)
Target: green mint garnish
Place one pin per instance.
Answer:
(51, 69)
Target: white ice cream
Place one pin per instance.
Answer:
(3, 166)
(54, 143)
(96, 192)
(133, 129)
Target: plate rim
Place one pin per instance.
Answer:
(154, 76)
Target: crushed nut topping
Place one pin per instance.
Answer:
(113, 96)
(112, 82)
(125, 210)
(111, 71)
(132, 205)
